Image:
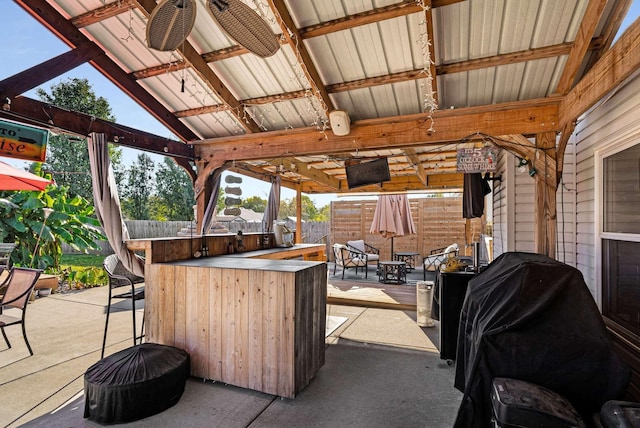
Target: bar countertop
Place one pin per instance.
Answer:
(232, 261)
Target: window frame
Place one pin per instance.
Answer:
(600, 155)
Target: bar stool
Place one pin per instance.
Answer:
(120, 277)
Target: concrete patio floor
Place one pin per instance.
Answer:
(381, 370)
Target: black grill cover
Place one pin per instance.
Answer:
(135, 383)
(532, 318)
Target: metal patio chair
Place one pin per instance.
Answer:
(121, 278)
(18, 288)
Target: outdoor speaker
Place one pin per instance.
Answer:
(372, 172)
(340, 122)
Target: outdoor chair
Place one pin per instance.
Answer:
(123, 279)
(437, 257)
(19, 286)
(347, 258)
(372, 253)
(5, 254)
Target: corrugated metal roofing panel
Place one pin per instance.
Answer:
(167, 87)
(220, 124)
(248, 76)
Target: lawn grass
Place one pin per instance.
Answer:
(81, 260)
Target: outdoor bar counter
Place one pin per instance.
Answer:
(254, 318)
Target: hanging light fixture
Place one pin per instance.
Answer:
(525, 165)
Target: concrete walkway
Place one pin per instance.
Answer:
(381, 370)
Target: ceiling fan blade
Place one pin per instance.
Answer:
(245, 26)
(170, 23)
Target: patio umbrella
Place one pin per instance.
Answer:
(392, 217)
(16, 179)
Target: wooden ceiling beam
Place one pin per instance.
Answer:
(105, 12)
(404, 8)
(160, 69)
(590, 21)
(428, 22)
(417, 164)
(460, 67)
(45, 115)
(613, 68)
(611, 29)
(48, 70)
(44, 13)
(306, 170)
(292, 35)
(528, 117)
(403, 76)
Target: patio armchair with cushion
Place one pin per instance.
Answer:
(437, 257)
(372, 253)
(347, 258)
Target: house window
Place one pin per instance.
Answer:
(621, 238)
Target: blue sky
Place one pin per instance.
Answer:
(27, 43)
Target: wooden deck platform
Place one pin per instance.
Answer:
(371, 294)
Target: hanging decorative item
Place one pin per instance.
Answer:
(245, 26)
(172, 20)
(232, 204)
(170, 23)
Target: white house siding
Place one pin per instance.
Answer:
(514, 210)
(616, 118)
(565, 211)
(502, 233)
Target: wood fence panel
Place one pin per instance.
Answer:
(438, 222)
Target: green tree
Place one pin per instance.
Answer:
(288, 208)
(175, 196)
(68, 157)
(255, 203)
(138, 188)
(324, 214)
(22, 220)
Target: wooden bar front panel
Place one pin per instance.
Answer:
(257, 329)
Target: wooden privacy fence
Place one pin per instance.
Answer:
(438, 222)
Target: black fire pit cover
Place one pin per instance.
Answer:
(135, 383)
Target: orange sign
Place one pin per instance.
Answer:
(23, 142)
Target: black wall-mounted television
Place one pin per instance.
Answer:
(370, 172)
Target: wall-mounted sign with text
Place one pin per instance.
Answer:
(480, 159)
(23, 142)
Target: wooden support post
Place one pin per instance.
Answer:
(545, 199)
(298, 213)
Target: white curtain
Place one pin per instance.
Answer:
(107, 203)
(210, 211)
(273, 206)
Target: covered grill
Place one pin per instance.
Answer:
(532, 318)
